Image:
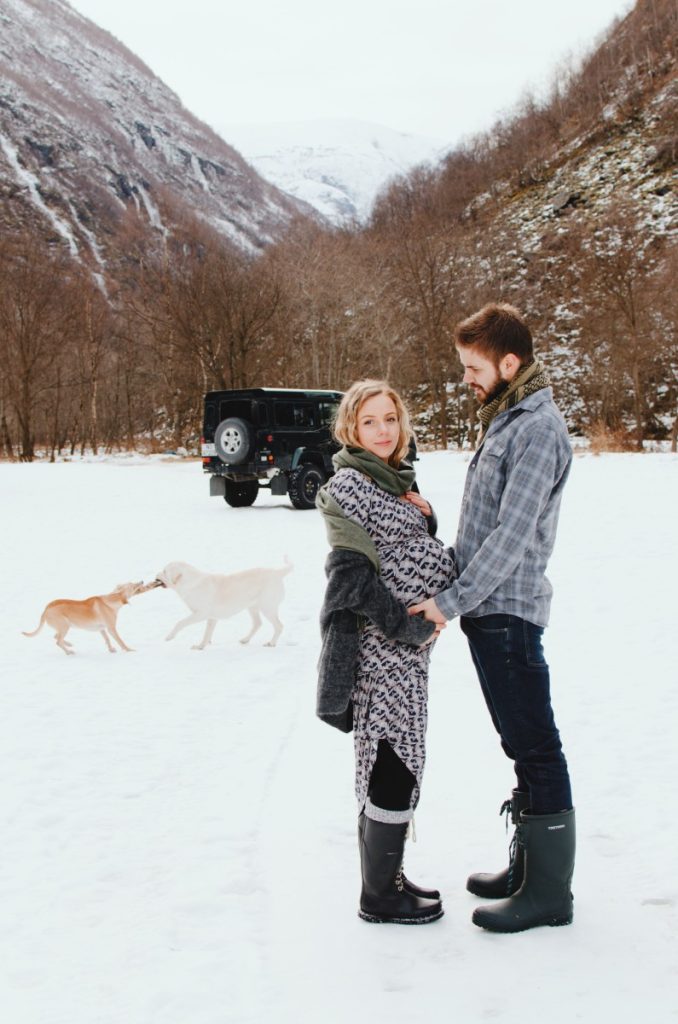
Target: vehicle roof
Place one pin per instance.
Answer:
(306, 392)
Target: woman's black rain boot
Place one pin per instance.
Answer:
(416, 890)
(545, 897)
(383, 898)
(508, 881)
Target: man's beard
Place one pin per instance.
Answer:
(499, 385)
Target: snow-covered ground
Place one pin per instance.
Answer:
(178, 830)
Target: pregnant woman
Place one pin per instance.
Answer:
(373, 668)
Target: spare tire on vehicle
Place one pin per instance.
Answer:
(234, 441)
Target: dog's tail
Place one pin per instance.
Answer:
(36, 631)
(288, 566)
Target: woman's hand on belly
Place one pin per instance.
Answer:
(418, 501)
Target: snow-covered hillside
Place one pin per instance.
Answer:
(88, 135)
(178, 829)
(337, 166)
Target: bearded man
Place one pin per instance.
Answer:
(506, 534)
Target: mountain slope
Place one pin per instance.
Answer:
(89, 134)
(567, 208)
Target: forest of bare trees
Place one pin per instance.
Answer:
(124, 361)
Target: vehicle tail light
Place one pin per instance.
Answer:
(269, 438)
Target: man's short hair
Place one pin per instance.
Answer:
(496, 330)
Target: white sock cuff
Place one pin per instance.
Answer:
(386, 816)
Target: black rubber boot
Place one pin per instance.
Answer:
(545, 897)
(383, 898)
(416, 890)
(508, 881)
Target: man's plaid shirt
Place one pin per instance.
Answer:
(509, 514)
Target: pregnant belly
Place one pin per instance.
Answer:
(420, 572)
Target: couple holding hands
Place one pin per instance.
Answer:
(392, 587)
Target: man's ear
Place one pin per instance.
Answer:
(509, 366)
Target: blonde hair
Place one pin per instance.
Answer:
(346, 422)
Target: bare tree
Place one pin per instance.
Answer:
(36, 320)
(425, 271)
(622, 286)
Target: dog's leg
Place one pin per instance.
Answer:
(119, 639)
(107, 641)
(256, 623)
(182, 623)
(207, 639)
(110, 618)
(272, 617)
(59, 637)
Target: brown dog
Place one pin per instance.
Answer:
(94, 613)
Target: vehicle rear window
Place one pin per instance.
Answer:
(240, 408)
(211, 419)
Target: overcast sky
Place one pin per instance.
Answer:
(439, 68)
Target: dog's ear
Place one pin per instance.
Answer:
(177, 577)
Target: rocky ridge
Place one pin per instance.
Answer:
(89, 136)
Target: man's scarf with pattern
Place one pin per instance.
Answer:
(342, 532)
(531, 378)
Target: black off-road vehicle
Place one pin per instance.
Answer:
(269, 437)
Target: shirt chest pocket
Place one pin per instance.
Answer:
(490, 471)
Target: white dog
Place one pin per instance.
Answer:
(213, 596)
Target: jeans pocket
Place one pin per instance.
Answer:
(488, 624)
(534, 650)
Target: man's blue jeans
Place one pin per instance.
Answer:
(509, 659)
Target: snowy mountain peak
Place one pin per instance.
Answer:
(337, 166)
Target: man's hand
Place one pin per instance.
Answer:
(431, 612)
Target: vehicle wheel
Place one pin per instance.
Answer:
(304, 484)
(234, 441)
(240, 493)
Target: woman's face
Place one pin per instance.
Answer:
(378, 426)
